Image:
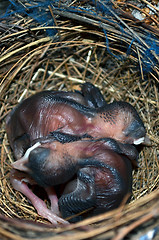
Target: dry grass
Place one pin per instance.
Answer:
(31, 62)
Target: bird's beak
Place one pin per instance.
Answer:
(21, 164)
(143, 140)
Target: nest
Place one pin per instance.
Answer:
(93, 48)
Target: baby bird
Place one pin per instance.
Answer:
(49, 111)
(76, 143)
(95, 175)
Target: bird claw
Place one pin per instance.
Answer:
(19, 182)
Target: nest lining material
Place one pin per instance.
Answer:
(30, 62)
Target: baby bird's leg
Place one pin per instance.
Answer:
(20, 184)
(53, 199)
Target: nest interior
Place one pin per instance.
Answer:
(31, 62)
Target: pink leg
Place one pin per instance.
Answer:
(19, 183)
(53, 199)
